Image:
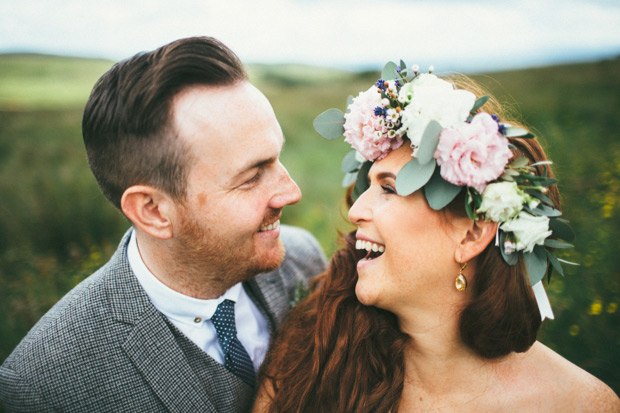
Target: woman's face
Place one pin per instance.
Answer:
(418, 244)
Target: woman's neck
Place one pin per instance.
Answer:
(440, 371)
(436, 357)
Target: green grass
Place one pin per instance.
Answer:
(56, 227)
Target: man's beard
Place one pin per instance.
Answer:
(219, 261)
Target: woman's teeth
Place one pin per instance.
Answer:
(369, 246)
(270, 226)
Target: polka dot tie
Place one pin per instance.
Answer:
(237, 359)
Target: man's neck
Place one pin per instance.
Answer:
(159, 258)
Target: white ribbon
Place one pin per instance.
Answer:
(543, 301)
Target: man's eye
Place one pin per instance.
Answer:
(255, 178)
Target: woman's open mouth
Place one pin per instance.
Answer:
(373, 249)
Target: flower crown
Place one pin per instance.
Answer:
(456, 148)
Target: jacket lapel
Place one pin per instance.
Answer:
(150, 345)
(155, 353)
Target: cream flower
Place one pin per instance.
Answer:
(431, 98)
(502, 201)
(528, 230)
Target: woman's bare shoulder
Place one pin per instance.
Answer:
(567, 383)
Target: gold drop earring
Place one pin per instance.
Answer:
(461, 282)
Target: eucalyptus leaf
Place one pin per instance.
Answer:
(440, 192)
(519, 162)
(428, 142)
(413, 176)
(350, 162)
(554, 243)
(511, 259)
(348, 179)
(542, 163)
(403, 66)
(330, 124)
(543, 210)
(567, 262)
(479, 102)
(515, 132)
(469, 208)
(549, 273)
(555, 263)
(361, 183)
(540, 196)
(536, 263)
(507, 177)
(561, 229)
(390, 71)
(349, 101)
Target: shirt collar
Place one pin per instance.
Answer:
(173, 304)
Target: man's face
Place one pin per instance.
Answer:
(228, 225)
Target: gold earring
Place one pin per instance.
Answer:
(461, 281)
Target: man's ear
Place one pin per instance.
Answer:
(149, 209)
(477, 236)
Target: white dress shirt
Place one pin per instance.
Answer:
(192, 316)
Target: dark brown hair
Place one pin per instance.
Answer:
(335, 354)
(127, 120)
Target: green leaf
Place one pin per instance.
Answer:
(348, 179)
(349, 101)
(555, 263)
(403, 66)
(429, 141)
(536, 263)
(554, 243)
(479, 102)
(440, 192)
(515, 132)
(468, 206)
(350, 162)
(413, 176)
(540, 196)
(361, 183)
(389, 71)
(543, 210)
(567, 262)
(330, 124)
(519, 163)
(561, 229)
(511, 259)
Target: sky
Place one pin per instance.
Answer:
(452, 35)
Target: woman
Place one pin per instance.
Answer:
(435, 301)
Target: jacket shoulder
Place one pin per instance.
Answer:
(304, 256)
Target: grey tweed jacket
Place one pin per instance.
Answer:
(104, 346)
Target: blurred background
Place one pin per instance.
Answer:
(556, 65)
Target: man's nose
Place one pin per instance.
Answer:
(287, 193)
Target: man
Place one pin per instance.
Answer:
(180, 317)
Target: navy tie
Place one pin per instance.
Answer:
(237, 359)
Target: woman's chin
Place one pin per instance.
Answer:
(365, 294)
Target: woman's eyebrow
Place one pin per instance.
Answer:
(382, 175)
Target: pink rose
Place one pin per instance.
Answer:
(367, 132)
(473, 154)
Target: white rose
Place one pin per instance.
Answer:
(528, 230)
(502, 201)
(433, 99)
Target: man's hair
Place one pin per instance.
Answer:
(127, 123)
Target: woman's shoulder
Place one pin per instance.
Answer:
(564, 383)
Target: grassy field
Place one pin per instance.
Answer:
(55, 227)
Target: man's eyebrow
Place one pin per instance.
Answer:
(258, 163)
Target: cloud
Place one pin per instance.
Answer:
(334, 33)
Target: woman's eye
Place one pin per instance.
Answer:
(388, 189)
